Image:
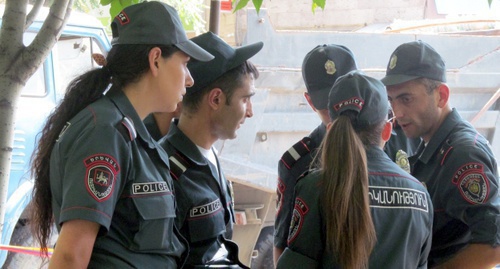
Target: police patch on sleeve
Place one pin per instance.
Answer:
(472, 183)
(100, 176)
(279, 192)
(299, 210)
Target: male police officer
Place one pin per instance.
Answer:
(320, 68)
(453, 160)
(212, 109)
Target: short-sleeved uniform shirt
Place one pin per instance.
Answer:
(297, 160)
(460, 172)
(401, 211)
(105, 168)
(205, 213)
(294, 162)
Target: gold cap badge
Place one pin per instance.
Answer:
(392, 62)
(330, 67)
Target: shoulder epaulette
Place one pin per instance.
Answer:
(297, 151)
(129, 131)
(178, 165)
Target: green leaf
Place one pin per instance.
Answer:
(257, 4)
(105, 2)
(241, 4)
(116, 7)
(319, 3)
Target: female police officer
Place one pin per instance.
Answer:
(97, 171)
(360, 209)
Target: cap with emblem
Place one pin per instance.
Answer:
(413, 60)
(358, 92)
(154, 23)
(226, 58)
(321, 67)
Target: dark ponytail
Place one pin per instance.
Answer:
(125, 64)
(350, 234)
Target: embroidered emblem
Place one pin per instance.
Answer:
(297, 221)
(354, 101)
(206, 209)
(100, 176)
(150, 187)
(393, 61)
(472, 183)
(122, 18)
(397, 198)
(402, 160)
(279, 192)
(330, 67)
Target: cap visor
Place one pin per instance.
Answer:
(397, 79)
(319, 98)
(244, 53)
(194, 51)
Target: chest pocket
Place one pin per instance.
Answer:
(157, 213)
(206, 221)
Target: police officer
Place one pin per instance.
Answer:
(359, 210)
(320, 68)
(212, 109)
(454, 161)
(97, 171)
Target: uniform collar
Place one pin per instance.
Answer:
(123, 104)
(439, 136)
(183, 144)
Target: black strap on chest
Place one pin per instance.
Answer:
(297, 151)
(178, 165)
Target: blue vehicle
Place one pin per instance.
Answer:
(71, 56)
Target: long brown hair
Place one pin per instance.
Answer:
(350, 234)
(125, 64)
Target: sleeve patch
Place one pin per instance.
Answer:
(100, 176)
(279, 192)
(472, 183)
(297, 221)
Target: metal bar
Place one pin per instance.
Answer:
(486, 106)
(214, 16)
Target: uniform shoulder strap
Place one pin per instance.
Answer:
(178, 164)
(127, 129)
(297, 151)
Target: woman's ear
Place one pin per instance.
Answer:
(154, 56)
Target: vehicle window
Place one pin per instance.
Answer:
(72, 57)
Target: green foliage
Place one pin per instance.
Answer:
(240, 4)
(118, 5)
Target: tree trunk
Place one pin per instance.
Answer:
(9, 93)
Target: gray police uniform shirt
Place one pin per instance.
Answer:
(105, 168)
(205, 213)
(293, 163)
(297, 160)
(460, 172)
(401, 212)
